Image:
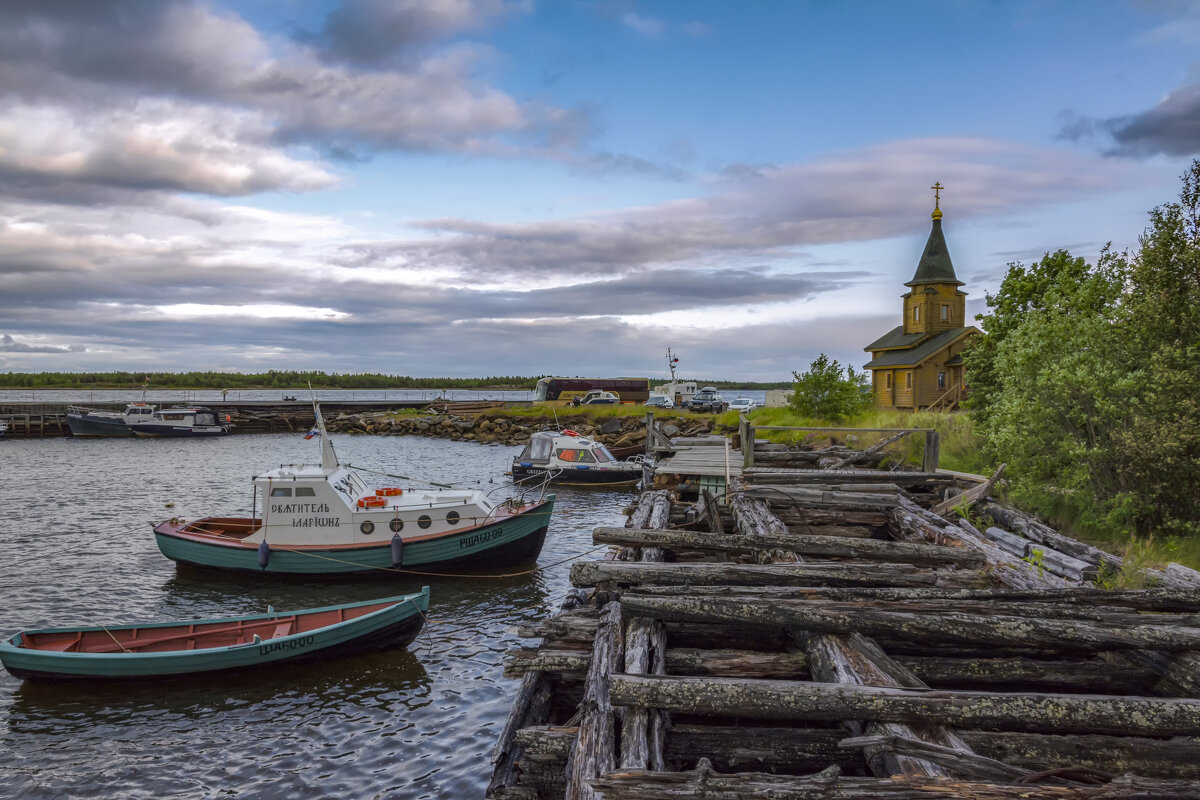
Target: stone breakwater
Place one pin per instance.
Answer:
(615, 432)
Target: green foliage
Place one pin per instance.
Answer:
(825, 392)
(1086, 383)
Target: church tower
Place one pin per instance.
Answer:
(919, 364)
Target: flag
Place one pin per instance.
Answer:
(312, 433)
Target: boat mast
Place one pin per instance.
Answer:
(671, 362)
(329, 460)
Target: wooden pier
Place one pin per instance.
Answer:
(823, 633)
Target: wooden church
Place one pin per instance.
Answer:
(919, 364)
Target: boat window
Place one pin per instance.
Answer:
(206, 419)
(396, 525)
(452, 517)
(172, 416)
(542, 446)
(305, 491)
(424, 521)
(281, 493)
(575, 456)
(603, 454)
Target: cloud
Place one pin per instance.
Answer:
(649, 27)
(1171, 127)
(10, 345)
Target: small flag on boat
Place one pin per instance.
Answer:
(312, 433)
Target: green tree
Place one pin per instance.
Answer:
(826, 393)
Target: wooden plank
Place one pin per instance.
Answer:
(594, 752)
(843, 573)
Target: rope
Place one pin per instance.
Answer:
(110, 635)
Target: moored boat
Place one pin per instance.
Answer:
(210, 645)
(566, 457)
(193, 421)
(100, 422)
(329, 519)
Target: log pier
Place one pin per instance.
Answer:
(826, 634)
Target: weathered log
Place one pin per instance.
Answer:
(643, 730)
(1029, 527)
(1178, 673)
(1156, 758)
(679, 661)
(594, 752)
(549, 743)
(870, 452)
(1065, 634)
(755, 521)
(949, 761)
(1184, 574)
(805, 496)
(794, 749)
(829, 546)
(529, 707)
(767, 699)
(1091, 675)
(969, 497)
(1163, 600)
(703, 782)
(832, 660)
(1042, 556)
(843, 573)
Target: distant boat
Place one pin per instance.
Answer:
(329, 519)
(182, 421)
(3, 427)
(97, 422)
(211, 645)
(568, 458)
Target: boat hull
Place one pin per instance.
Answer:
(392, 627)
(579, 477)
(97, 426)
(149, 430)
(516, 539)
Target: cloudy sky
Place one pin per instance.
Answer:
(497, 187)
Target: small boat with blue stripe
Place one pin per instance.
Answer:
(568, 458)
(203, 646)
(333, 519)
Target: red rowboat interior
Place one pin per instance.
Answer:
(191, 637)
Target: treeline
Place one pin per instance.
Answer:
(1086, 384)
(286, 379)
(273, 379)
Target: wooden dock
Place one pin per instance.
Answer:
(824, 634)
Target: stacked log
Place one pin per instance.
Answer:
(922, 657)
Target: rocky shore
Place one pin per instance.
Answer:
(501, 429)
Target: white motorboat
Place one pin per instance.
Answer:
(331, 518)
(569, 458)
(182, 421)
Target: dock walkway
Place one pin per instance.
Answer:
(835, 638)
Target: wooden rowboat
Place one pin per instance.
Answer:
(211, 645)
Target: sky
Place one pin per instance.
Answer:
(469, 188)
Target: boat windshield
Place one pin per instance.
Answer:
(208, 418)
(575, 456)
(602, 454)
(540, 448)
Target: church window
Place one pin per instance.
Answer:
(908, 380)
(942, 377)
(887, 377)
(945, 312)
(916, 313)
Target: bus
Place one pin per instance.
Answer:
(564, 390)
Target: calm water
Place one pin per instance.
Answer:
(76, 547)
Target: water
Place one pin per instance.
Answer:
(168, 396)
(76, 547)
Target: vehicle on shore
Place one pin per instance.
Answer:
(707, 400)
(204, 646)
(568, 458)
(194, 421)
(660, 401)
(329, 519)
(564, 390)
(743, 404)
(597, 397)
(99, 422)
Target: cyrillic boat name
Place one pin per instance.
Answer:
(299, 508)
(291, 644)
(316, 522)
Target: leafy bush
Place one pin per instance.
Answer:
(825, 392)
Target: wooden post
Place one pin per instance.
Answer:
(933, 446)
(649, 433)
(748, 446)
(594, 752)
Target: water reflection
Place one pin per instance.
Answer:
(76, 548)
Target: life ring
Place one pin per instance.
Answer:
(389, 492)
(371, 501)
(570, 433)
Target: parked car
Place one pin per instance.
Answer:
(597, 397)
(660, 401)
(742, 404)
(707, 400)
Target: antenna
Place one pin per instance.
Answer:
(671, 362)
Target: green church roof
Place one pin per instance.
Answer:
(915, 355)
(935, 265)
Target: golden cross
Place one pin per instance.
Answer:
(937, 189)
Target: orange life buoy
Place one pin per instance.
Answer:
(389, 492)
(570, 433)
(371, 502)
